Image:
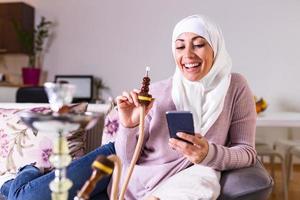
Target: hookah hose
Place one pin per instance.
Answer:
(136, 153)
(116, 176)
(144, 99)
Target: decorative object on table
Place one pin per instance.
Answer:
(61, 121)
(35, 46)
(260, 104)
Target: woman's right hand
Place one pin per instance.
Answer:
(128, 108)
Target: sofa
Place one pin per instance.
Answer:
(247, 183)
(19, 145)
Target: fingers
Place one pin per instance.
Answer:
(128, 98)
(181, 146)
(132, 98)
(194, 139)
(120, 99)
(196, 151)
(136, 90)
(188, 150)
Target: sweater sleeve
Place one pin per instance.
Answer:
(126, 141)
(241, 149)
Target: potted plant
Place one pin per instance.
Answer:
(100, 86)
(34, 45)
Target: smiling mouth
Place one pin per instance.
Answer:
(191, 65)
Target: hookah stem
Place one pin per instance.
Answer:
(136, 151)
(60, 170)
(116, 176)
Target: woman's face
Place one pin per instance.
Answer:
(193, 55)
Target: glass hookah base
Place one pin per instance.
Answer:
(60, 189)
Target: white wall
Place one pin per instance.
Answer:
(115, 40)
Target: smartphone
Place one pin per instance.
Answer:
(180, 121)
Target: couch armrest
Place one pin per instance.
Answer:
(246, 183)
(93, 137)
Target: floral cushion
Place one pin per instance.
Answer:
(19, 145)
(111, 126)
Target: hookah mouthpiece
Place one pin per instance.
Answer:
(101, 167)
(103, 164)
(144, 97)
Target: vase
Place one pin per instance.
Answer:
(31, 76)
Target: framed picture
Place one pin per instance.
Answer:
(83, 83)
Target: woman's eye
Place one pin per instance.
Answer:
(199, 45)
(180, 47)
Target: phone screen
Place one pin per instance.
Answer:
(180, 121)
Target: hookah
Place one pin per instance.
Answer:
(102, 166)
(60, 121)
(144, 99)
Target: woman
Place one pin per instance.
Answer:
(224, 118)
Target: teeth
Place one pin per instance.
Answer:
(191, 65)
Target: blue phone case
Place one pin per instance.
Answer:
(180, 121)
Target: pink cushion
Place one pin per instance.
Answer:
(111, 126)
(19, 145)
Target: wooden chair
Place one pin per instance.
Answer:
(265, 150)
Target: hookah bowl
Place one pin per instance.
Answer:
(60, 123)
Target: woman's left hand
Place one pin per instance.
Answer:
(194, 152)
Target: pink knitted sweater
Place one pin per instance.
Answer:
(231, 139)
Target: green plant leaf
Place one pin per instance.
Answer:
(33, 44)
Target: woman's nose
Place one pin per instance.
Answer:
(189, 52)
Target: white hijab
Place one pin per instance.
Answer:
(204, 98)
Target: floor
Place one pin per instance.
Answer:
(294, 184)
